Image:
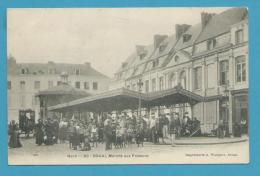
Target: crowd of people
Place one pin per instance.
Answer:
(116, 132)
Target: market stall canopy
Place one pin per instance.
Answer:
(176, 95)
(122, 98)
(118, 99)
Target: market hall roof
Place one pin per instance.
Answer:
(122, 98)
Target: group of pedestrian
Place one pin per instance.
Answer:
(167, 124)
(122, 131)
(46, 132)
(81, 134)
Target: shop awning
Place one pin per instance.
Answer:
(122, 98)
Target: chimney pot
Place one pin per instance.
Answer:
(158, 39)
(181, 29)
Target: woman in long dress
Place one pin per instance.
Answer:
(14, 140)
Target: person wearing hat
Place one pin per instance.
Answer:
(49, 132)
(39, 132)
(107, 134)
(173, 127)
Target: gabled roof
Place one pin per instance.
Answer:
(194, 32)
(170, 60)
(134, 60)
(169, 43)
(221, 23)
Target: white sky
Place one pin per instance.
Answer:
(104, 37)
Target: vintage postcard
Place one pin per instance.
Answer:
(94, 86)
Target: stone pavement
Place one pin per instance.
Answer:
(31, 154)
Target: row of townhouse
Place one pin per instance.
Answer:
(209, 59)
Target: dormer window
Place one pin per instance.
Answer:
(77, 71)
(124, 64)
(155, 63)
(162, 48)
(176, 59)
(186, 38)
(51, 71)
(24, 71)
(239, 36)
(211, 44)
(142, 55)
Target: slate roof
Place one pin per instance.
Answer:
(194, 31)
(221, 23)
(58, 68)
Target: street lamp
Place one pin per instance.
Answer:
(140, 84)
(226, 96)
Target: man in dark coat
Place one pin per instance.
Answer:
(107, 134)
(49, 132)
(39, 132)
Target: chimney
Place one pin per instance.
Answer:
(181, 29)
(88, 64)
(157, 39)
(140, 49)
(205, 18)
(124, 64)
(50, 62)
(11, 60)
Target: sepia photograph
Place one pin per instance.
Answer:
(113, 86)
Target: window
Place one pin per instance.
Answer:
(186, 37)
(141, 56)
(240, 69)
(172, 79)
(155, 63)
(52, 71)
(86, 85)
(22, 85)
(9, 84)
(183, 79)
(77, 85)
(147, 86)
(134, 87)
(95, 86)
(77, 71)
(161, 83)
(176, 59)
(211, 76)
(22, 101)
(239, 36)
(59, 83)
(197, 78)
(24, 71)
(50, 84)
(162, 48)
(37, 85)
(35, 101)
(224, 72)
(153, 84)
(211, 44)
